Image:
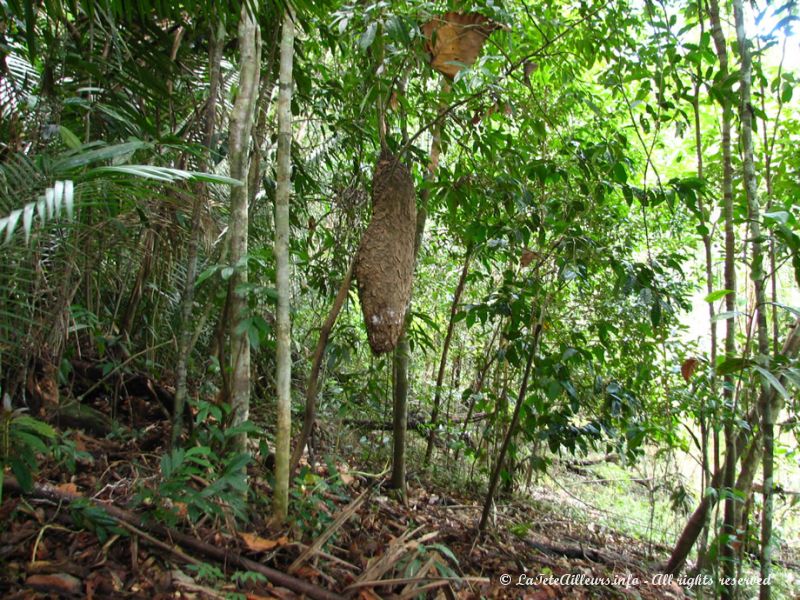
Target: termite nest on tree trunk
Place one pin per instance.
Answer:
(384, 267)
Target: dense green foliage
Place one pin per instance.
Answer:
(579, 190)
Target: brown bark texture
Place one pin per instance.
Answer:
(384, 266)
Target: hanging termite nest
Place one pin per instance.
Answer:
(384, 266)
(455, 39)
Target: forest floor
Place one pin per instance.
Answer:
(85, 531)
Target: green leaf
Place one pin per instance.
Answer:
(716, 295)
(31, 441)
(81, 158)
(772, 380)
(786, 92)
(11, 223)
(731, 365)
(779, 216)
(368, 36)
(791, 309)
(655, 314)
(38, 427)
(27, 220)
(247, 427)
(793, 375)
(199, 451)
(206, 274)
(620, 174)
(237, 464)
(253, 334)
(65, 190)
(724, 316)
(70, 139)
(397, 31)
(165, 174)
(23, 474)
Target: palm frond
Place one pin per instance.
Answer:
(47, 207)
(16, 88)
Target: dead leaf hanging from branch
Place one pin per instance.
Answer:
(455, 40)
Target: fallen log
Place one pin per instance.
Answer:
(90, 379)
(80, 416)
(578, 553)
(224, 556)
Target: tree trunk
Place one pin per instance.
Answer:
(758, 276)
(437, 398)
(705, 418)
(768, 149)
(400, 364)
(512, 427)
(187, 302)
(477, 385)
(129, 316)
(256, 172)
(403, 350)
(747, 473)
(693, 528)
(694, 525)
(729, 525)
(312, 386)
(400, 413)
(240, 128)
(283, 376)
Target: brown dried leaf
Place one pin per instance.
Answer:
(68, 488)
(182, 509)
(306, 572)
(346, 478)
(529, 67)
(456, 38)
(688, 368)
(258, 544)
(58, 583)
(527, 257)
(80, 444)
(43, 386)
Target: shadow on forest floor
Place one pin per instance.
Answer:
(94, 526)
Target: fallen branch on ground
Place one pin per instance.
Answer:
(576, 552)
(127, 519)
(348, 512)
